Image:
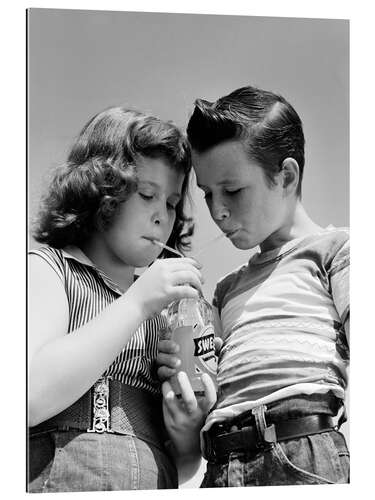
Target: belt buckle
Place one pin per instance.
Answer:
(100, 406)
(270, 434)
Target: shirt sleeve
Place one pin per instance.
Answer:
(54, 260)
(339, 281)
(218, 328)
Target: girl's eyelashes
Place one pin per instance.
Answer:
(146, 196)
(150, 197)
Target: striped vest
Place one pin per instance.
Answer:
(88, 292)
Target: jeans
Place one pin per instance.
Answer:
(64, 461)
(316, 459)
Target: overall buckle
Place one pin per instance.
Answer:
(100, 406)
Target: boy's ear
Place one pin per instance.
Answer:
(290, 175)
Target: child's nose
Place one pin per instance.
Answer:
(160, 216)
(219, 211)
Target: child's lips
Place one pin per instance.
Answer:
(230, 234)
(151, 238)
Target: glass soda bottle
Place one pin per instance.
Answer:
(190, 325)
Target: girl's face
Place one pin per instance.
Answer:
(147, 213)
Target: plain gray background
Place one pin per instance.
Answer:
(83, 61)
(80, 62)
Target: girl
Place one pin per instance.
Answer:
(95, 412)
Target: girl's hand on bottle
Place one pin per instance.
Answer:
(168, 361)
(185, 416)
(165, 281)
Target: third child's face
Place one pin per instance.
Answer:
(148, 213)
(238, 196)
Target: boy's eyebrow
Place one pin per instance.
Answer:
(227, 181)
(220, 183)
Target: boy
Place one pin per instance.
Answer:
(283, 316)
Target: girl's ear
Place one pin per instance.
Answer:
(290, 175)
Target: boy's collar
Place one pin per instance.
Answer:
(276, 253)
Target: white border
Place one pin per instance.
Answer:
(14, 216)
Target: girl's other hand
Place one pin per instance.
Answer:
(165, 281)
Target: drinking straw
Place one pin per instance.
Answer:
(162, 245)
(176, 252)
(208, 244)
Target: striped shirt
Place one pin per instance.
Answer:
(282, 317)
(89, 291)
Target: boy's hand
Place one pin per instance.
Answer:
(185, 416)
(168, 360)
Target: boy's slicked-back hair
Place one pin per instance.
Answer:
(100, 173)
(265, 122)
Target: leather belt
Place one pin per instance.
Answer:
(247, 439)
(113, 407)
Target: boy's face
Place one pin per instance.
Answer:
(238, 196)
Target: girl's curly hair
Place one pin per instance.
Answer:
(100, 174)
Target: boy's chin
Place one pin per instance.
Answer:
(243, 244)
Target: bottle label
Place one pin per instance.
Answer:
(204, 348)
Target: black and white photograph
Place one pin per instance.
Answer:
(188, 251)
